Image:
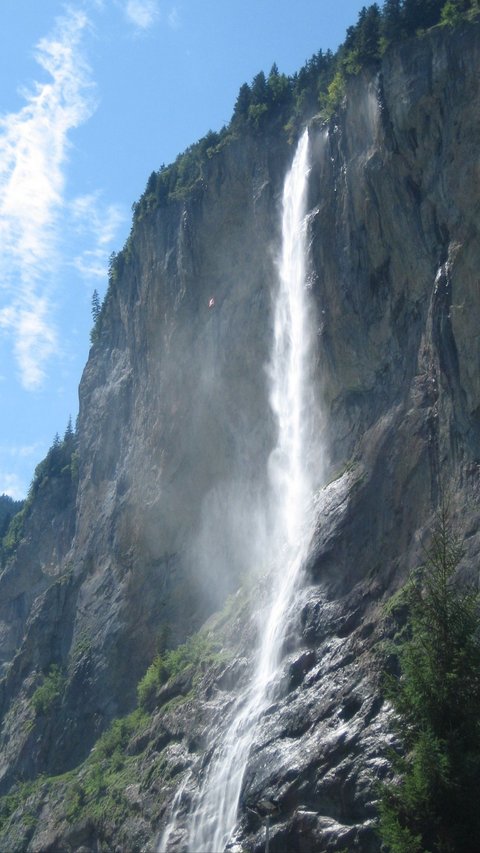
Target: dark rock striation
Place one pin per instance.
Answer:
(175, 433)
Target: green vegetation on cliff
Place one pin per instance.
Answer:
(49, 691)
(60, 467)
(432, 803)
(129, 756)
(191, 657)
(8, 508)
(280, 104)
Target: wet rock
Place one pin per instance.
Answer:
(299, 667)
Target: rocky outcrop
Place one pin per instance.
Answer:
(175, 434)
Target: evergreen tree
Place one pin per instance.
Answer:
(421, 14)
(368, 34)
(244, 99)
(454, 10)
(259, 89)
(432, 804)
(151, 187)
(69, 433)
(362, 43)
(392, 21)
(69, 440)
(96, 306)
(8, 508)
(278, 87)
(259, 101)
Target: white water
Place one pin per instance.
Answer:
(214, 811)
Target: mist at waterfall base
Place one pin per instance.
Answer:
(280, 527)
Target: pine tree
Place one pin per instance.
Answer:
(69, 433)
(421, 14)
(432, 804)
(392, 22)
(368, 34)
(96, 306)
(244, 99)
(259, 89)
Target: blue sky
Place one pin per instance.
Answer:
(94, 95)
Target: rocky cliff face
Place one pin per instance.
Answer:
(175, 432)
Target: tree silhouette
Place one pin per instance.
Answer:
(432, 804)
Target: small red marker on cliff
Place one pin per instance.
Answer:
(211, 304)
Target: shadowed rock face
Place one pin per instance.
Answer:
(175, 433)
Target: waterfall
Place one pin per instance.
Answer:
(214, 809)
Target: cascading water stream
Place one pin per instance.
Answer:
(214, 810)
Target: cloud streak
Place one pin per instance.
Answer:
(12, 485)
(97, 224)
(142, 13)
(33, 153)
(174, 18)
(15, 483)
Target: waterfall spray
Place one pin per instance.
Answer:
(214, 811)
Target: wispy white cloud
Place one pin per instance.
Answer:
(97, 223)
(142, 13)
(174, 18)
(12, 485)
(22, 451)
(16, 465)
(33, 152)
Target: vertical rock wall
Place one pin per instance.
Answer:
(174, 423)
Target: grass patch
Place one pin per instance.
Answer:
(17, 798)
(198, 652)
(97, 789)
(50, 691)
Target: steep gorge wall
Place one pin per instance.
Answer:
(399, 291)
(175, 433)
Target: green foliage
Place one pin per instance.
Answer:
(19, 797)
(281, 104)
(8, 508)
(61, 466)
(96, 790)
(334, 95)
(80, 649)
(362, 44)
(96, 305)
(49, 692)
(96, 311)
(12, 515)
(100, 792)
(199, 651)
(450, 14)
(13, 535)
(453, 11)
(240, 111)
(432, 804)
(57, 463)
(392, 21)
(256, 114)
(420, 14)
(116, 738)
(74, 466)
